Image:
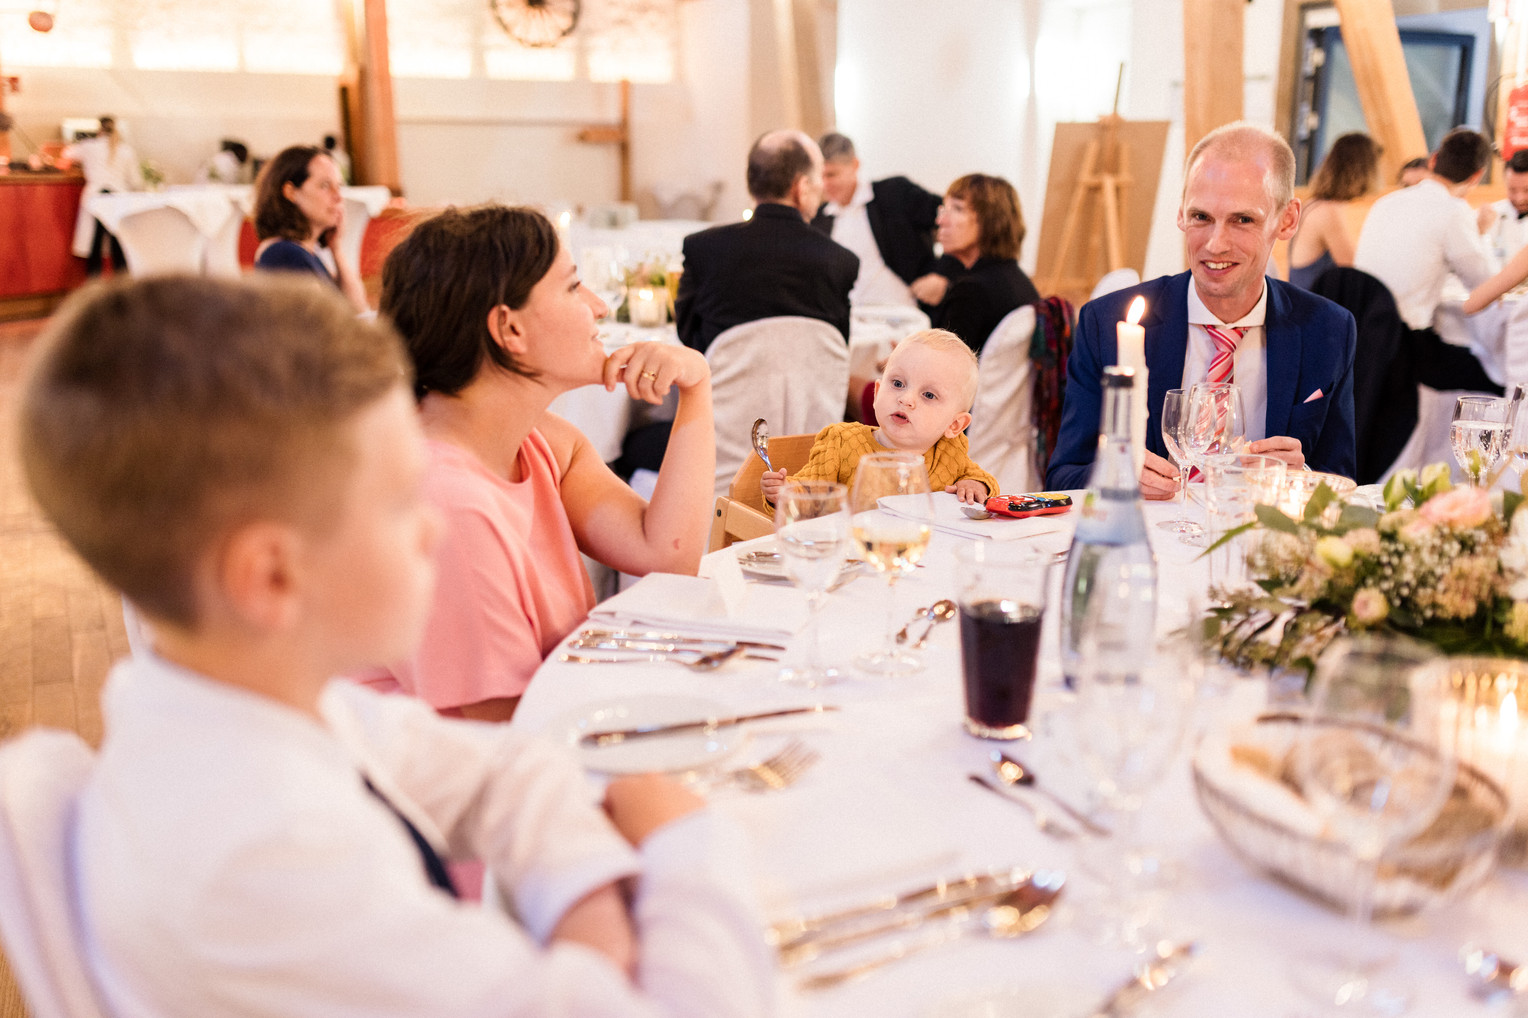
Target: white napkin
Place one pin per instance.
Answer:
(694, 606)
(949, 519)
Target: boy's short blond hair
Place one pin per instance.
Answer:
(161, 414)
(945, 341)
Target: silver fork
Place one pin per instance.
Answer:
(778, 771)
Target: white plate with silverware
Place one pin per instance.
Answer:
(690, 749)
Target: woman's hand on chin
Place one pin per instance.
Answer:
(649, 369)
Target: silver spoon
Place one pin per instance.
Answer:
(1010, 772)
(976, 512)
(760, 437)
(1016, 913)
(939, 611)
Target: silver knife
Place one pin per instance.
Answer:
(589, 641)
(636, 634)
(788, 931)
(703, 725)
(1148, 979)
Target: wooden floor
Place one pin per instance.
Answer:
(60, 627)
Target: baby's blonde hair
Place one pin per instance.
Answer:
(945, 341)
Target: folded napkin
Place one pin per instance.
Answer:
(693, 605)
(949, 519)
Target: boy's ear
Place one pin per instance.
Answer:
(876, 394)
(957, 425)
(256, 575)
(505, 328)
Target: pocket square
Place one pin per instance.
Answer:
(1314, 396)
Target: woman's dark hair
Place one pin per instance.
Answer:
(275, 214)
(1349, 171)
(456, 266)
(996, 205)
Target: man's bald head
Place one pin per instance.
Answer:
(778, 160)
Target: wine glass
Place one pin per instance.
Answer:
(1369, 761)
(1516, 442)
(1132, 711)
(602, 272)
(1174, 413)
(893, 539)
(1478, 434)
(812, 531)
(1213, 423)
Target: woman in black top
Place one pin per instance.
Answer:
(978, 280)
(298, 210)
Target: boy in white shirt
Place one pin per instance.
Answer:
(243, 462)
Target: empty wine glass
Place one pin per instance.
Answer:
(893, 538)
(1478, 434)
(812, 531)
(1370, 762)
(602, 272)
(1213, 423)
(1174, 413)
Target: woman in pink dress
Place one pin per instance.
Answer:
(498, 324)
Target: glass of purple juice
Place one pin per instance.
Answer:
(1002, 607)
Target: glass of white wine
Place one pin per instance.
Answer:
(1478, 434)
(812, 531)
(892, 538)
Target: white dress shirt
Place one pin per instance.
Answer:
(1508, 233)
(230, 861)
(1249, 363)
(1413, 239)
(876, 283)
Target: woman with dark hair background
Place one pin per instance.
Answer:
(498, 323)
(977, 281)
(1350, 171)
(298, 212)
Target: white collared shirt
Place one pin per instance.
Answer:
(230, 861)
(876, 284)
(1413, 239)
(1508, 233)
(1249, 363)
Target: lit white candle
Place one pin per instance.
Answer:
(647, 310)
(1130, 339)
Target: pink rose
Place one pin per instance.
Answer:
(1460, 508)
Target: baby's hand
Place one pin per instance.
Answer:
(770, 483)
(968, 490)
(641, 803)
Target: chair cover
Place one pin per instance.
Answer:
(41, 775)
(1002, 430)
(221, 257)
(161, 241)
(1119, 279)
(793, 372)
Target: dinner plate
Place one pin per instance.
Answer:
(677, 751)
(768, 565)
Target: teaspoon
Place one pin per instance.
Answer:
(760, 438)
(939, 611)
(1010, 772)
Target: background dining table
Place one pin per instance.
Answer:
(890, 808)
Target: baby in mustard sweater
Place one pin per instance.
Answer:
(923, 403)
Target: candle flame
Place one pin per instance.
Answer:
(564, 218)
(644, 294)
(1137, 309)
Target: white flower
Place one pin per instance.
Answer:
(1514, 558)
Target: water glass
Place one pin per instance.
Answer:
(1175, 404)
(1002, 597)
(891, 542)
(812, 532)
(1478, 435)
(1235, 484)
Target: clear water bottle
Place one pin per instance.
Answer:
(1109, 594)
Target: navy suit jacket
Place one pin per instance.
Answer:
(1309, 346)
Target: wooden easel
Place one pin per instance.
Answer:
(1101, 190)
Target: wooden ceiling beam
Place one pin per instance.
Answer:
(1213, 76)
(1373, 43)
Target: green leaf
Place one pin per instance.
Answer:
(1274, 519)
(1510, 500)
(1356, 517)
(1322, 497)
(1234, 532)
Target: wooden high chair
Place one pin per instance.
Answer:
(741, 514)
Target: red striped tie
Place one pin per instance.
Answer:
(1223, 364)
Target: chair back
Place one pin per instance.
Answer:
(1002, 430)
(41, 774)
(1384, 369)
(161, 241)
(793, 372)
(1118, 279)
(741, 514)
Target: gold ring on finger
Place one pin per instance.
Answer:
(649, 374)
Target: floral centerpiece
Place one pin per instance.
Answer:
(1442, 564)
(652, 273)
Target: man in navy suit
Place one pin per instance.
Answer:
(1293, 351)
(775, 263)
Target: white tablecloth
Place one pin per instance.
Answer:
(889, 807)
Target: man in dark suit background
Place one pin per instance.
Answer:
(1293, 355)
(774, 263)
(888, 223)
